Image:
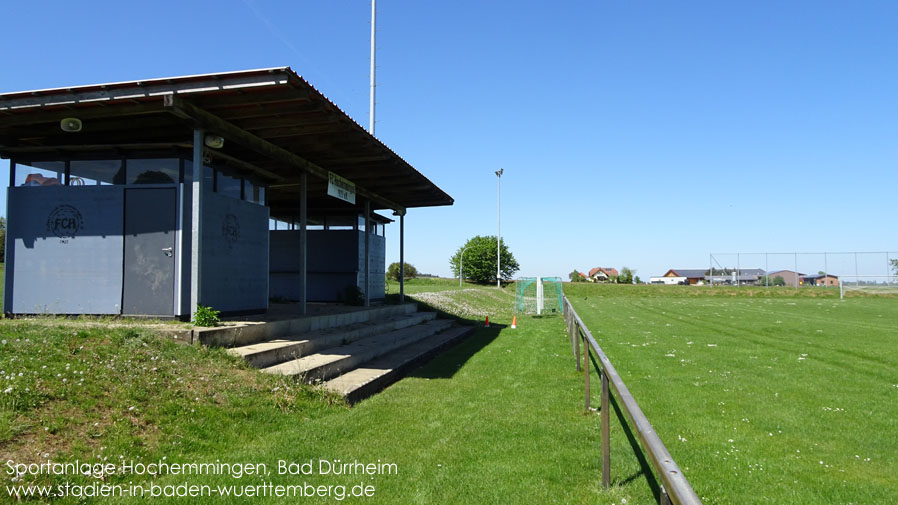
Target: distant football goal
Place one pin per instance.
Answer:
(538, 295)
(872, 284)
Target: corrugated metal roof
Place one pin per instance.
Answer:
(273, 104)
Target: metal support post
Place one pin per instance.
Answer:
(9, 248)
(606, 432)
(367, 247)
(796, 270)
(303, 241)
(196, 221)
(586, 373)
(402, 257)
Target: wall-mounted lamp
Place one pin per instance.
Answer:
(214, 141)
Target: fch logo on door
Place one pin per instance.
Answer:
(65, 222)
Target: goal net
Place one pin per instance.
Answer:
(870, 284)
(538, 295)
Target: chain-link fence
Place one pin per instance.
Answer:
(798, 269)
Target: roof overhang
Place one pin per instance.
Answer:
(276, 127)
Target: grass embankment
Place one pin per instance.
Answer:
(765, 396)
(497, 419)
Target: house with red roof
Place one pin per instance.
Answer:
(600, 274)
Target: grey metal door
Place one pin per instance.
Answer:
(149, 281)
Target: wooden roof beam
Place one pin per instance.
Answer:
(187, 110)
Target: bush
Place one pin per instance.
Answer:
(206, 316)
(352, 295)
(393, 271)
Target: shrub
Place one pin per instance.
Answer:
(206, 316)
(352, 295)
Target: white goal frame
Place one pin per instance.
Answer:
(884, 284)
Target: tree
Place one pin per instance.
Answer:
(2, 239)
(894, 264)
(575, 276)
(393, 271)
(626, 276)
(637, 280)
(779, 281)
(480, 260)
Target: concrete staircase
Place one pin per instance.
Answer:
(355, 354)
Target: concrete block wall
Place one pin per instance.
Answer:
(66, 250)
(235, 254)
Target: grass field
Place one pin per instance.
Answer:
(764, 396)
(497, 419)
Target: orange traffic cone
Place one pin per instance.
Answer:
(487, 323)
(514, 322)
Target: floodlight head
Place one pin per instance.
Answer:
(214, 141)
(499, 172)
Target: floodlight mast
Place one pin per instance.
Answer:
(371, 105)
(499, 227)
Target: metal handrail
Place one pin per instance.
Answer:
(674, 486)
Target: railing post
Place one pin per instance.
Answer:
(664, 499)
(586, 372)
(575, 336)
(606, 432)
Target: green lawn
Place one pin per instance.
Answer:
(497, 419)
(762, 396)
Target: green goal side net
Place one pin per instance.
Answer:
(538, 295)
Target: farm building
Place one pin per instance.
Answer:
(791, 277)
(153, 197)
(744, 276)
(821, 280)
(685, 275)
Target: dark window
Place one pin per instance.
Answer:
(153, 171)
(95, 172)
(40, 173)
(227, 185)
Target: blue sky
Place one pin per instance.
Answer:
(644, 134)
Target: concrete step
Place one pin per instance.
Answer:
(272, 352)
(245, 333)
(375, 375)
(331, 362)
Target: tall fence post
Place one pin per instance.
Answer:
(586, 373)
(606, 432)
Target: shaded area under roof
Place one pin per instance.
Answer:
(275, 124)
